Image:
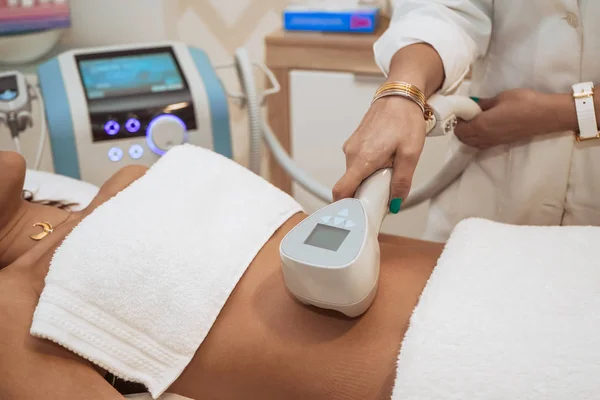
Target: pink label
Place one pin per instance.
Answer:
(360, 22)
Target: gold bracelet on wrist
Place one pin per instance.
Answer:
(408, 91)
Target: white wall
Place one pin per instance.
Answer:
(104, 22)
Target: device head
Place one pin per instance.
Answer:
(331, 259)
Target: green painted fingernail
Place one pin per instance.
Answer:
(395, 205)
(475, 99)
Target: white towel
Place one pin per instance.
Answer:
(509, 313)
(137, 285)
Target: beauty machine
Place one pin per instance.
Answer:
(112, 106)
(331, 259)
(108, 107)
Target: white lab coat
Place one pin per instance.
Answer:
(545, 45)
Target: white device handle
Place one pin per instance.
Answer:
(446, 111)
(374, 192)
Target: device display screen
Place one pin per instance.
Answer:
(118, 75)
(327, 237)
(9, 89)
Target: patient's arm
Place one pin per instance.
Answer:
(265, 345)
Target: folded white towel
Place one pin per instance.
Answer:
(509, 313)
(137, 285)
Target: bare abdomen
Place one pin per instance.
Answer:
(265, 345)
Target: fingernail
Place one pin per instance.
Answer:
(475, 99)
(395, 205)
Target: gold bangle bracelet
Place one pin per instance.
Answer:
(400, 93)
(402, 86)
(405, 90)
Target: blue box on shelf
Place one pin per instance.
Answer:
(359, 19)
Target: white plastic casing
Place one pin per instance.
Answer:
(95, 166)
(349, 288)
(21, 101)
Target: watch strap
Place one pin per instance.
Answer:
(583, 94)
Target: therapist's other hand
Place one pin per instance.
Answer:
(511, 116)
(391, 134)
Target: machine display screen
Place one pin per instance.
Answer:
(327, 237)
(119, 74)
(8, 88)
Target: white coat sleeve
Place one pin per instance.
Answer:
(459, 30)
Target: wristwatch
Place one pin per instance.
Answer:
(583, 93)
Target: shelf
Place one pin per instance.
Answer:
(347, 52)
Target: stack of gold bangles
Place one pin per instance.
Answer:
(407, 90)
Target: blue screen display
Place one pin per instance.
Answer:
(130, 75)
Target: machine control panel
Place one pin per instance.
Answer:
(135, 151)
(136, 94)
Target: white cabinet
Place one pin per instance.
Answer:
(326, 107)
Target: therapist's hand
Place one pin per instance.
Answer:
(511, 116)
(391, 134)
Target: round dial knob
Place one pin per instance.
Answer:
(164, 132)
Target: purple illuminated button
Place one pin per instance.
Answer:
(115, 154)
(132, 125)
(112, 127)
(136, 151)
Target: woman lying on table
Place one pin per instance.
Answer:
(287, 351)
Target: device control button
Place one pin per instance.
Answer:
(349, 224)
(344, 212)
(164, 132)
(338, 220)
(112, 127)
(133, 125)
(326, 219)
(115, 154)
(136, 151)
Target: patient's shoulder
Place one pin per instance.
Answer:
(120, 180)
(116, 183)
(126, 175)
